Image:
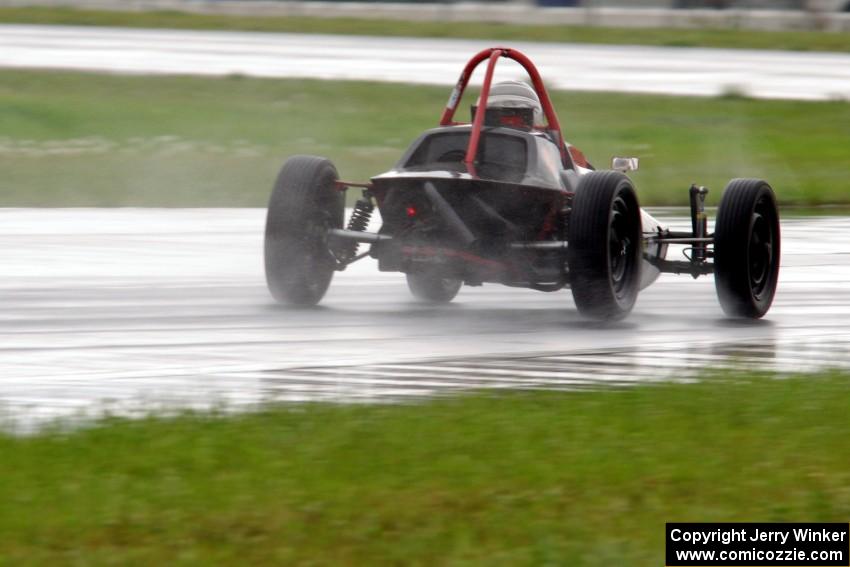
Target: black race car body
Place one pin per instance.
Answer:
(505, 224)
(491, 202)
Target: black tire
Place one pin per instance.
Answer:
(304, 205)
(604, 253)
(746, 248)
(430, 286)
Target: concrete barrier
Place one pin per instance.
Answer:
(516, 13)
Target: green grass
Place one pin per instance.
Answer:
(576, 479)
(793, 40)
(70, 139)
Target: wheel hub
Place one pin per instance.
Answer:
(619, 247)
(760, 253)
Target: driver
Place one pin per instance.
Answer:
(512, 104)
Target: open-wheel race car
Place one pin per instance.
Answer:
(504, 199)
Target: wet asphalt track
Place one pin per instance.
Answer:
(128, 309)
(662, 70)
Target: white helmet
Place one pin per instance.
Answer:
(515, 94)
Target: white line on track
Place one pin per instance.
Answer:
(661, 70)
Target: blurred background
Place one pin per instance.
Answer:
(811, 5)
(139, 142)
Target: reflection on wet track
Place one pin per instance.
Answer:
(130, 310)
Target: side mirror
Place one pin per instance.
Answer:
(624, 164)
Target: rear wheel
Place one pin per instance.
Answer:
(304, 205)
(604, 252)
(746, 248)
(431, 286)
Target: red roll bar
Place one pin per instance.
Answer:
(493, 54)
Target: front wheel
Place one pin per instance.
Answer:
(305, 203)
(746, 248)
(604, 252)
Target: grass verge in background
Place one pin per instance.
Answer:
(582, 478)
(76, 139)
(726, 38)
